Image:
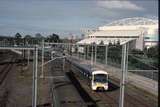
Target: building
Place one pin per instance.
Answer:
(139, 32)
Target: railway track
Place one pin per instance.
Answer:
(84, 101)
(85, 96)
(111, 98)
(138, 98)
(6, 69)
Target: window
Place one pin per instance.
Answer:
(100, 78)
(147, 38)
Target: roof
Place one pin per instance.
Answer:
(117, 33)
(134, 21)
(105, 41)
(99, 72)
(109, 36)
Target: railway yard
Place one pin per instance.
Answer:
(63, 86)
(79, 53)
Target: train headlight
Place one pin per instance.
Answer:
(94, 86)
(106, 86)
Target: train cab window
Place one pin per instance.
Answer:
(100, 78)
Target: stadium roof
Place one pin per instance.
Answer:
(105, 41)
(134, 21)
(117, 33)
(112, 37)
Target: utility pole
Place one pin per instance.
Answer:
(127, 61)
(92, 55)
(28, 56)
(84, 51)
(106, 53)
(87, 52)
(42, 74)
(95, 54)
(69, 48)
(35, 69)
(78, 52)
(122, 81)
(64, 64)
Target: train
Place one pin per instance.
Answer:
(98, 78)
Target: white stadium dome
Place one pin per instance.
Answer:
(140, 32)
(134, 21)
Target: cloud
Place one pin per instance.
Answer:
(121, 4)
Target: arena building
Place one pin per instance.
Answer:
(139, 32)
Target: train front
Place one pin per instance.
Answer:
(99, 80)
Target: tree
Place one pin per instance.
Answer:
(152, 52)
(115, 52)
(82, 36)
(28, 39)
(110, 43)
(38, 38)
(137, 52)
(118, 42)
(53, 38)
(101, 43)
(18, 38)
(38, 35)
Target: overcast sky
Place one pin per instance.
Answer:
(68, 16)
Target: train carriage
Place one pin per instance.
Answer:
(98, 78)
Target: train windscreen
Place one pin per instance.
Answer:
(100, 78)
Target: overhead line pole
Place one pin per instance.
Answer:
(28, 56)
(84, 51)
(42, 69)
(95, 54)
(35, 70)
(106, 54)
(127, 49)
(92, 55)
(122, 81)
(87, 52)
(33, 78)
